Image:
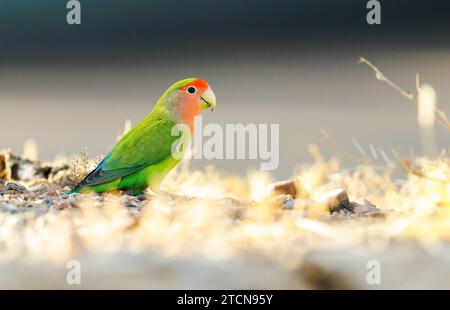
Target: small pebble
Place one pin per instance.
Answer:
(294, 188)
(366, 209)
(15, 187)
(337, 200)
(141, 197)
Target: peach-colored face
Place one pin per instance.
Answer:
(193, 100)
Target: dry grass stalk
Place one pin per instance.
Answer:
(82, 165)
(441, 117)
(405, 164)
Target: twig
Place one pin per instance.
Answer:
(442, 118)
(380, 76)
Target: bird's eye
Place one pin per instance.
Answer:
(192, 90)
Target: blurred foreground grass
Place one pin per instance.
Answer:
(208, 227)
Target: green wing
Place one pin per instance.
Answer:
(147, 144)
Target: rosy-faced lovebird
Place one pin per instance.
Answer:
(143, 156)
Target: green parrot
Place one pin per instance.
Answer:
(143, 157)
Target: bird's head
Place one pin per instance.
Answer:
(197, 91)
(187, 98)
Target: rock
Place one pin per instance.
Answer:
(337, 200)
(366, 209)
(294, 188)
(15, 187)
(141, 197)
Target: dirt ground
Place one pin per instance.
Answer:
(328, 228)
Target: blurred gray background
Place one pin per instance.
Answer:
(287, 62)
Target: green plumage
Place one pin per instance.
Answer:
(142, 157)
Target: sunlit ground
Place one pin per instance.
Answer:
(210, 219)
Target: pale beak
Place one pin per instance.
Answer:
(208, 99)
